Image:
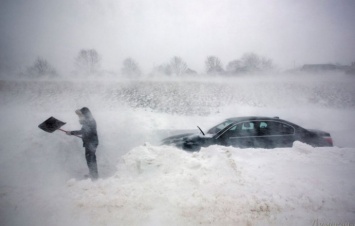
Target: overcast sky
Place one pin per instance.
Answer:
(290, 32)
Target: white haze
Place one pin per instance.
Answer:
(142, 183)
(291, 33)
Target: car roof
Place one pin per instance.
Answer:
(276, 118)
(251, 118)
(236, 119)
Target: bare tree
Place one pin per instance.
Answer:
(351, 69)
(41, 68)
(267, 64)
(178, 66)
(163, 69)
(130, 68)
(213, 65)
(235, 66)
(251, 62)
(88, 61)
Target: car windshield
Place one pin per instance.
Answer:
(219, 127)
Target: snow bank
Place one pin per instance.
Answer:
(161, 185)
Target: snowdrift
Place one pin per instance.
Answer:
(160, 185)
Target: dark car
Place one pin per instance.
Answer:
(251, 132)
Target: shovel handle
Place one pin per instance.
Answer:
(67, 131)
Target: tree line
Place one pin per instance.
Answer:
(88, 63)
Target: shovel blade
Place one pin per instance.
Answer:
(51, 125)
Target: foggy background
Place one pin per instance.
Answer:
(146, 68)
(291, 33)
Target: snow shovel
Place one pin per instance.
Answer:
(52, 124)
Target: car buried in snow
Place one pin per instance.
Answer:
(251, 132)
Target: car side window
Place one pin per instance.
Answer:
(264, 129)
(286, 129)
(231, 132)
(275, 128)
(243, 129)
(248, 126)
(263, 125)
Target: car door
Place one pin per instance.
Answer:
(240, 135)
(273, 134)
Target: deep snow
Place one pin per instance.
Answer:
(41, 179)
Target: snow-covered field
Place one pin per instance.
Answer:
(143, 183)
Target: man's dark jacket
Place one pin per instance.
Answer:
(88, 130)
